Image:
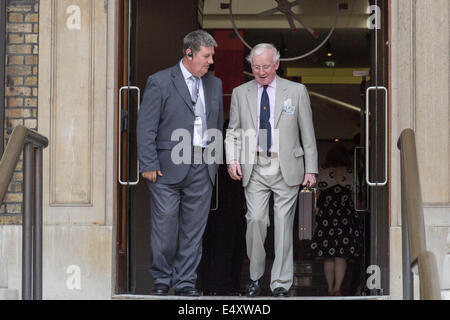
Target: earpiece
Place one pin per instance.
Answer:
(190, 54)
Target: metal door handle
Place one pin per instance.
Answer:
(126, 183)
(374, 184)
(355, 197)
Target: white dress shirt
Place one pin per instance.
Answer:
(190, 83)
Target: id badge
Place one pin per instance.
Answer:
(198, 131)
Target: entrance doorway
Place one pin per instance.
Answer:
(345, 76)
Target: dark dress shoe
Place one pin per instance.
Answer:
(254, 288)
(280, 292)
(160, 289)
(187, 292)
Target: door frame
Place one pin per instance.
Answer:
(121, 271)
(380, 255)
(121, 244)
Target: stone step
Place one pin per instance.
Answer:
(8, 294)
(262, 298)
(309, 279)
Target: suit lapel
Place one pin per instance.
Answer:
(252, 101)
(207, 93)
(180, 84)
(279, 99)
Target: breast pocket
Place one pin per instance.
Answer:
(289, 111)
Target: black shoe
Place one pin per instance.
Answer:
(254, 288)
(160, 289)
(187, 292)
(280, 292)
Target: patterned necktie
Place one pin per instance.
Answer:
(197, 102)
(265, 129)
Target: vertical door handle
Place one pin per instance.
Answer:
(126, 183)
(370, 183)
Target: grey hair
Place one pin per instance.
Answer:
(260, 48)
(196, 39)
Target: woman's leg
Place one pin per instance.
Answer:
(328, 267)
(339, 273)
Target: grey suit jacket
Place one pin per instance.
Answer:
(294, 130)
(166, 107)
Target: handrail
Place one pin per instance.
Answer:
(10, 159)
(414, 250)
(32, 144)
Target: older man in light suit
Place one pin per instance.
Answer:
(186, 99)
(270, 146)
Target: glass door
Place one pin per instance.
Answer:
(375, 142)
(150, 37)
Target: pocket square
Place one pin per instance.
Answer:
(288, 108)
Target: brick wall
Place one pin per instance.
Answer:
(21, 92)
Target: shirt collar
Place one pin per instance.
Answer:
(186, 73)
(272, 85)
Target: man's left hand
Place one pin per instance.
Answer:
(311, 178)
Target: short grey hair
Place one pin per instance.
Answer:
(196, 39)
(260, 48)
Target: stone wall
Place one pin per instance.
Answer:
(21, 92)
(76, 113)
(420, 100)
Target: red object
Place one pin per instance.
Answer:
(229, 62)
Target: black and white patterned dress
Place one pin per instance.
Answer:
(338, 231)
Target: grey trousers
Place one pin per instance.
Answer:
(264, 180)
(179, 214)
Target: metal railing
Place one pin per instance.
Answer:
(415, 254)
(32, 145)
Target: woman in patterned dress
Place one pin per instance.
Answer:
(337, 233)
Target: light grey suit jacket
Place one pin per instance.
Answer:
(294, 131)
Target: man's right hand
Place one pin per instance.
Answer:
(152, 175)
(234, 170)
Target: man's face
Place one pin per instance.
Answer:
(200, 62)
(264, 69)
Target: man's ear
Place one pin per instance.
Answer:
(277, 65)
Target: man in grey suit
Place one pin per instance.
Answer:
(265, 151)
(181, 103)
